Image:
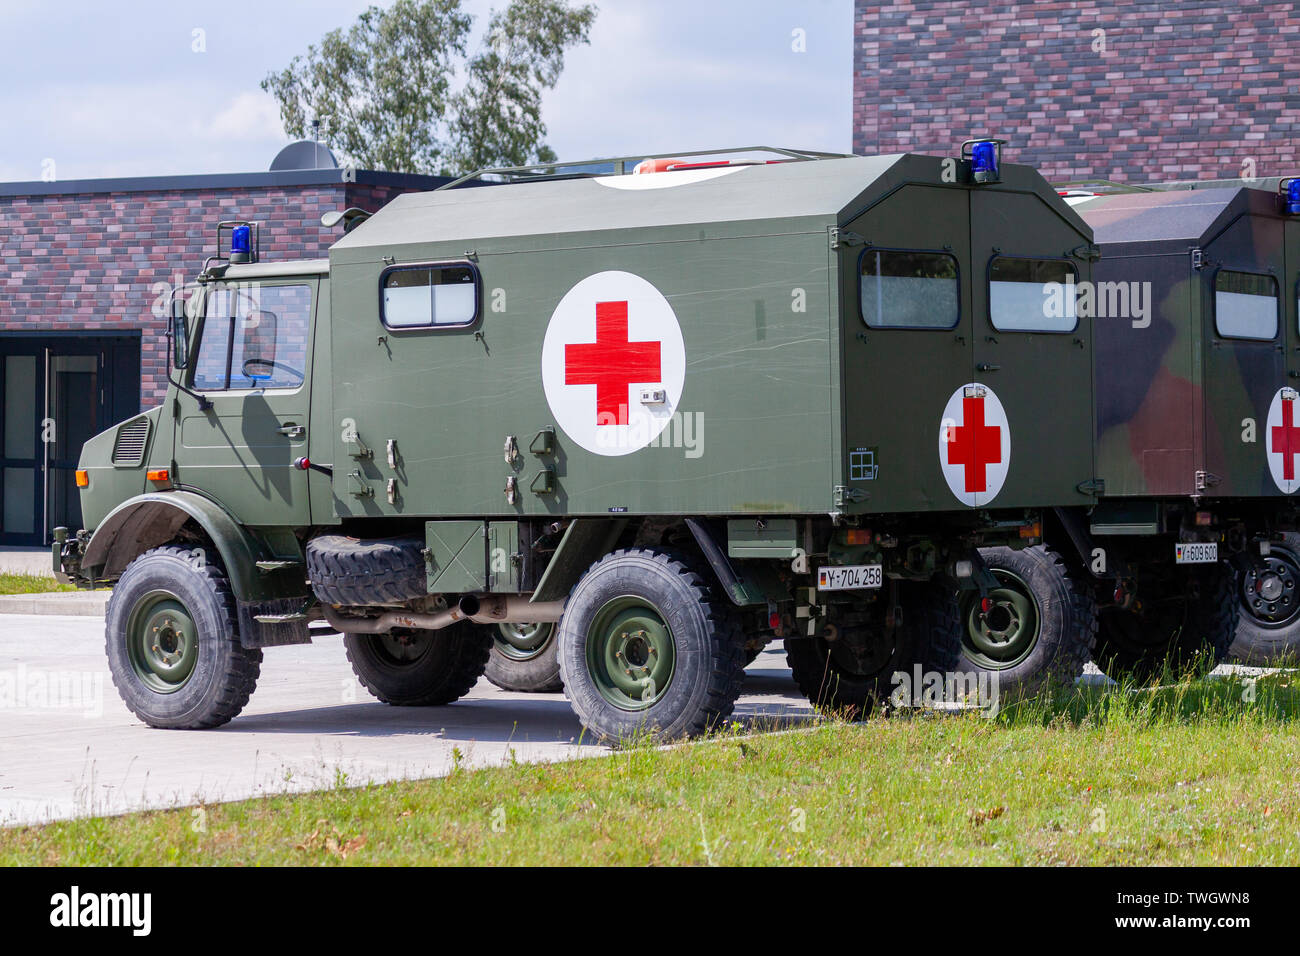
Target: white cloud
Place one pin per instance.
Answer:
(250, 117)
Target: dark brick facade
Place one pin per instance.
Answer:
(1093, 90)
(93, 255)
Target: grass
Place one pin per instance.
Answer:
(12, 582)
(1202, 772)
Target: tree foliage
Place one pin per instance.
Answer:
(398, 90)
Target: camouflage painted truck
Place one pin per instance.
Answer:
(1196, 417)
(672, 413)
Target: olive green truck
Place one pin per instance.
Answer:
(646, 420)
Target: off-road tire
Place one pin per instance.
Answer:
(444, 666)
(224, 672)
(929, 635)
(1185, 627)
(1271, 638)
(707, 647)
(1065, 625)
(538, 673)
(359, 572)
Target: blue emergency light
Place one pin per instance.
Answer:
(241, 244)
(1290, 190)
(984, 161)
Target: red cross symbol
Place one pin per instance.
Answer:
(974, 444)
(1286, 440)
(611, 363)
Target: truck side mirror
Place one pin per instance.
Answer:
(180, 333)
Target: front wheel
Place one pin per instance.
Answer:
(647, 648)
(1268, 628)
(410, 668)
(1182, 624)
(173, 642)
(524, 658)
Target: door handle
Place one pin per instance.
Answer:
(292, 430)
(986, 367)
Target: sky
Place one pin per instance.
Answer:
(94, 89)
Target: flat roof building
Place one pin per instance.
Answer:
(85, 270)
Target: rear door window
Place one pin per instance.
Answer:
(909, 290)
(1032, 295)
(1245, 305)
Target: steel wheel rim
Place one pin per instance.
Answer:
(631, 656)
(162, 642)
(1007, 633)
(522, 642)
(403, 648)
(1272, 598)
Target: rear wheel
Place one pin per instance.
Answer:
(851, 666)
(173, 642)
(1037, 627)
(410, 668)
(524, 658)
(647, 648)
(1183, 623)
(1268, 628)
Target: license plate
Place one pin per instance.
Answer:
(1196, 552)
(850, 577)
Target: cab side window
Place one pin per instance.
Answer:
(429, 296)
(1245, 305)
(909, 290)
(254, 336)
(1032, 295)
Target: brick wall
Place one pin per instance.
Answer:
(1122, 91)
(95, 261)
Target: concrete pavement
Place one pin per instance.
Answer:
(68, 747)
(26, 561)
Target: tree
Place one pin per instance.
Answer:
(386, 96)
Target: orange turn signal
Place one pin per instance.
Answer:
(1034, 530)
(83, 479)
(857, 536)
(159, 474)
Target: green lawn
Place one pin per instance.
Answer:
(1202, 773)
(16, 583)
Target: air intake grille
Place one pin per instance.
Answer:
(128, 447)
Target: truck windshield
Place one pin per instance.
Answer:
(253, 336)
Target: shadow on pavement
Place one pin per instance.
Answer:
(539, 719)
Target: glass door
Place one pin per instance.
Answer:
(72, 411)
(22, 373)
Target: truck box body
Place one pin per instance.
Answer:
(788, 401)
(1184, 402)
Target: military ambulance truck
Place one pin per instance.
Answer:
(667, 413)
(1195, 413)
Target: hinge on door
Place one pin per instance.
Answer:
(845, 238)
(1088, 252)
(1198, 258)
(1093, 486)
(1205, 479)
(842, 495)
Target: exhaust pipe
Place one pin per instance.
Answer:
(490, 609)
